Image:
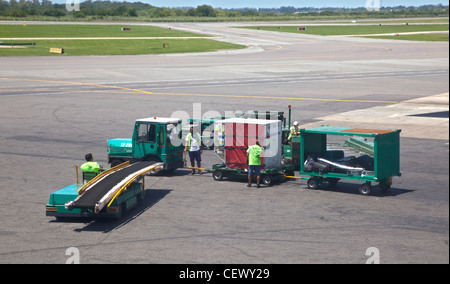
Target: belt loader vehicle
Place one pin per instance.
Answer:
(155, 145)
(156, 139)
(108, 195)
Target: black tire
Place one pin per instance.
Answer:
(267, 180)
(365, 188)
(313, 183)
(217, 175)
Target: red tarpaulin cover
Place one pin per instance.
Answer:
(237, 139)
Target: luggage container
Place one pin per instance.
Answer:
(377, 156)
(233, 136)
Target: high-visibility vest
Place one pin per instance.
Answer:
(254, 155)
(294, 132)
(92, 167)
(199, 141)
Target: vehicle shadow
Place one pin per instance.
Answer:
(152, 197)
(353, 188)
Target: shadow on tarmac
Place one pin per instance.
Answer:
(353, 188)
(152, 196)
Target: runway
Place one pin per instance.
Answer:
(53, 110)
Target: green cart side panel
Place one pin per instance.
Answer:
(387, 155)
(292, 149)
(312, 143)
(129, 197)
(287, 151)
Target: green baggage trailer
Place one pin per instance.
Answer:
(380, 147)
(268, 176)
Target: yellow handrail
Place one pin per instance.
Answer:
(102, 174)
(131, 180)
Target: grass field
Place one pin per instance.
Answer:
(117, 47)
(123, 46)
(32, 31)
(417, 37)
(335, 30)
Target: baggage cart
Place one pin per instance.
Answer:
(377, 156)
(233, 136)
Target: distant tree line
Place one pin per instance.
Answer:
(101, 9)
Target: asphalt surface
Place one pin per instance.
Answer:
(54, 110)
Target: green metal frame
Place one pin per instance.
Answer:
(386, 152)
(275, 174)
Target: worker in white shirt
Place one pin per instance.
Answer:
(193, 146)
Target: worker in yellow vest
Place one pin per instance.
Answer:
(294, 131)
(90, 166)
(254, 163)
(193, 144)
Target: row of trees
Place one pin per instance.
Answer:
(89, 8)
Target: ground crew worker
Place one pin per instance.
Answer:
(295, 130)
(90, 166)
(254, 163)
(193, 146)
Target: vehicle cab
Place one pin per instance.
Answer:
(154, 138)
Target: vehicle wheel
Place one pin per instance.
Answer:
(365, 188)
(267, 180)
(217, 175)
(313, 183)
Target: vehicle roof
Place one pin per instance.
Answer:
(337, 130)
(249, 121)
(162, 120)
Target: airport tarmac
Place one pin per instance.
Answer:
(53, 110)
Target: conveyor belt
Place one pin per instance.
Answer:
(98, 190)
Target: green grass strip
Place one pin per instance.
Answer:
(336, 30)
(77, 31)
(116, 47)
